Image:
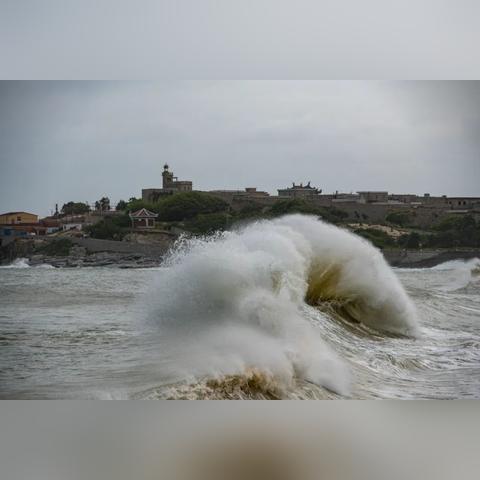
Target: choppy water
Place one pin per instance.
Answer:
(224, 319)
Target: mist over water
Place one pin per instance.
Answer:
(289, 308)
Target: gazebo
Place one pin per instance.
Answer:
(143, 219)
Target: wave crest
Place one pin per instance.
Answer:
(237, 300)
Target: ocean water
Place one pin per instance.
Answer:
(285, 309)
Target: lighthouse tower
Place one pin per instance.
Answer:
(167, 178)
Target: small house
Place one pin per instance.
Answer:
(17, 218)
(143, 219)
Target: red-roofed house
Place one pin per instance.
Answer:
(143, 218)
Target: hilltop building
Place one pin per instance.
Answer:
(367, 206)
(170, 185)
(17, 218)
(230, 196)
(19, 224)
(299, 191)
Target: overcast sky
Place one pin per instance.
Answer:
(262, 39)
(62, 141)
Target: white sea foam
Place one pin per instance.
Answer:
(24, 263)
(18, 263)
(458, 274)
(234, 301)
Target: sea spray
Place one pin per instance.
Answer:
(18, 263)
(458, 274)
(234, 302)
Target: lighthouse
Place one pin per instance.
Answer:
(168, 178)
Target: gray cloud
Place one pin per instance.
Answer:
(249, 39)
(62, 141)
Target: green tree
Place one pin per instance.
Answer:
(455, 231)
(209, 223)
(338, 214)
(75, 208)
(379, 238)
(297, 205)
(121, 205)
(110, 228)
(103, 204)
(410, 240)
(187, 205)
(251, 210)
(294, 205)
(135, 204)
(399, 218)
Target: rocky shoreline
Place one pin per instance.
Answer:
(97, 254)
(79, 257)
(107, 253)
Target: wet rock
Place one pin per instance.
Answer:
(80, 257)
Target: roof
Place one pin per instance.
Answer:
(16, 213)
(143, 213)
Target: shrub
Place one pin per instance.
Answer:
(296, 205)
(454, 231)
(56, 248)
(410, 240)
(251, 210)
(339, 214)
(209, 223)
(110, 228)
(378, 237)
(401, 219)
(135, 204)
(187, 205)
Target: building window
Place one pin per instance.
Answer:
(19, 219)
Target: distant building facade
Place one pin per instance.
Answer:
(170, 185)
(231, 195)
(20, 224)
(299, 191)
(17, 218)
(366, 206)
(67, 227)
(373, 197)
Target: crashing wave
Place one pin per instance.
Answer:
(458, 274)
(24, 263)
(18, 263)
(233, 301)
(252, 384)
